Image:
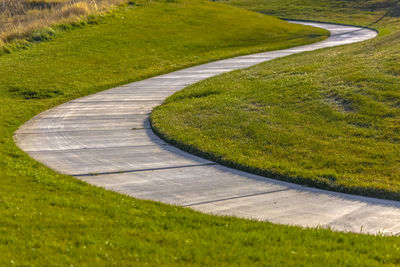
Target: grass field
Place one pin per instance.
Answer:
(329, 118)
(49, 219)
(356, 12)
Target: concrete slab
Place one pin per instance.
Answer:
(42, 125)
(115, 160)
(85, 139)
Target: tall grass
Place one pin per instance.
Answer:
(20, 18)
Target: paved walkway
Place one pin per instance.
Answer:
(108, 134)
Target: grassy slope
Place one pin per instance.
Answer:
(51, 219)
(357, 12)
(328, 118)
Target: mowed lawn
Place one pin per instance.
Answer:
(356, 12)
(51, 219)
(329, 118)
(48, 219)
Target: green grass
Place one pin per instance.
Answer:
(51, 219)
(357, 12)
(328, 118)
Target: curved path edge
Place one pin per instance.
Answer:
(106, 140)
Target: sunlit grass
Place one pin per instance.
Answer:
(328, 118)
(51, 219)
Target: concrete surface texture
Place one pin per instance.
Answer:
(108, 134)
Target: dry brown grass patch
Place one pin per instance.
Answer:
(20, 18)
(76, 9)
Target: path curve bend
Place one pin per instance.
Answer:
(108, 134)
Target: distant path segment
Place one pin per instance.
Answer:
(108, 134)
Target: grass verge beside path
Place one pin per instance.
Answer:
(51, 219)
(328, 118)
(355, 12)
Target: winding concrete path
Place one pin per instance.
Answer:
(108, 134)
